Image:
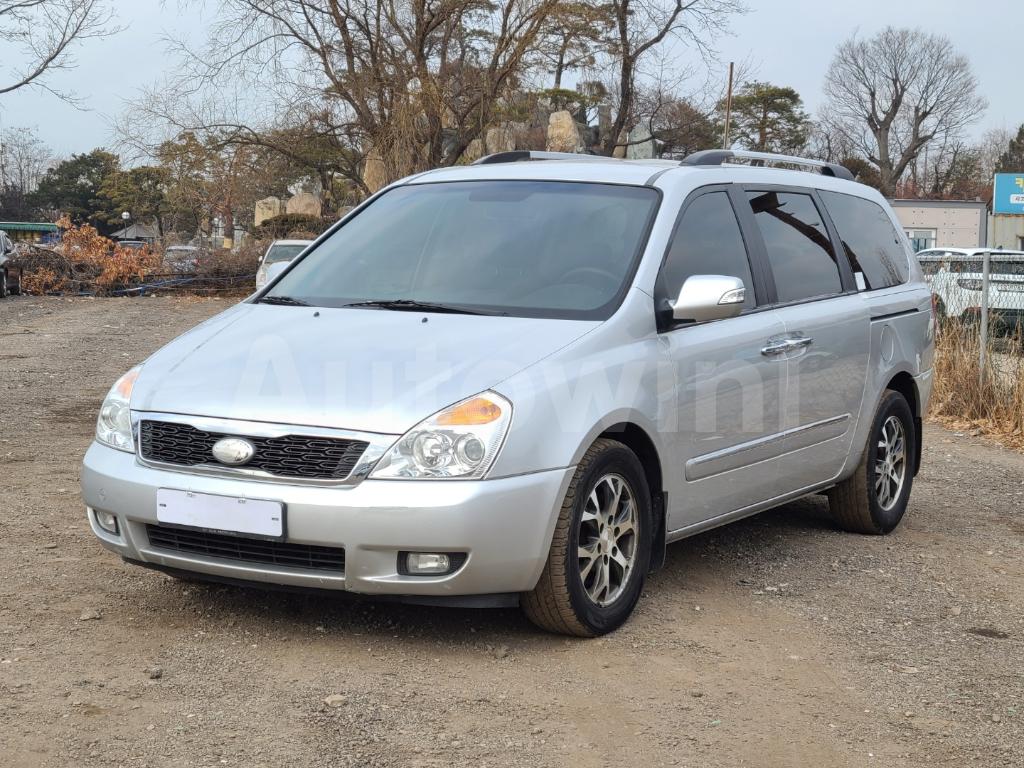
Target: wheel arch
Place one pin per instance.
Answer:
(904, 383)
(638, 439)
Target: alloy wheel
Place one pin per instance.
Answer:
(890, 463)
(607, 547)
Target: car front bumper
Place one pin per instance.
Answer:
(504, 526)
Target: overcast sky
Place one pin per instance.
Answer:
(790, 42)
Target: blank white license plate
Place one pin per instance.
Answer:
(229, 514)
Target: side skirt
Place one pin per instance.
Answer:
(739, 514)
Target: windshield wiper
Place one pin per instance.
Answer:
(289, 301)
(410, 305)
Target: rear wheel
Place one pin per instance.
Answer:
(874, 499)
(601, 547)
(3, 283)
(15, 285)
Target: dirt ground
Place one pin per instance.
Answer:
(777, 641)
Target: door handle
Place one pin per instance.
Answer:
(799, 342)
(775, 348)
(790, 344)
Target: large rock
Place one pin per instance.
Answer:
(501, 138)
(474, 151)
(563, 133)
(267, 208)
(305, 203)
(641, 144)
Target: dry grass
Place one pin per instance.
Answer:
(992, 404)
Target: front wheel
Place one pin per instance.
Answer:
(874, 499)
(601, 547)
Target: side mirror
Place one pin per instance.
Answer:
(709, 297)
(275, 269)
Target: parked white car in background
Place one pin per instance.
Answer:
(279, 252)
(10, 276)
(955, 276)
(181, 259)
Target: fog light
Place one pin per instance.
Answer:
(427, 563)
(106, 521)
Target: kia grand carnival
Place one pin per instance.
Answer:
(518, 381)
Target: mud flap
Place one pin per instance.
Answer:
(918, 443)
(658, 541)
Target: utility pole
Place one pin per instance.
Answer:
(728, 110)
(3, 166)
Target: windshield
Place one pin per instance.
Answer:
(526, 248)
(278, 253)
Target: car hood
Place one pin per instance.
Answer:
(362, 369)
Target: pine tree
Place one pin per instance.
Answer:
(1012, 160)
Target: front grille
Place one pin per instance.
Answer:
(299, 456)
(247, 550)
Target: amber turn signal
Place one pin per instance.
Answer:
(479, 410)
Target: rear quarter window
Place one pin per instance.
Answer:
(872, 244)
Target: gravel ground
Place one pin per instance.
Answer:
(777, 641)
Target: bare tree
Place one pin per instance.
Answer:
(24, 158)
(639, 27)
(413, 83)
(39, 36)
(898, 91)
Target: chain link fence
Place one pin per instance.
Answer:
(979, 304)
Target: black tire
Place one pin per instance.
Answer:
(3, 283)
(560, 602)
(854, 503)
(15, 289)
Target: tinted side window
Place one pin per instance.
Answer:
(707, 241)
(799, 250)
(870, 240)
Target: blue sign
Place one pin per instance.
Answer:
(1009, 194)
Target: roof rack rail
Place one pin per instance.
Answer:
(721, 156)
(517, 155)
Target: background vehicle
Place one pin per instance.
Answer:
(280, 251)
(135, 245)
(515, 382)
(10, 275)
(955, 276)
(181, 259)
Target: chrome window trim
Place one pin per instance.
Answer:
(378, 445)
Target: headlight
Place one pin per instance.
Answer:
(114, 425)
(461, 441)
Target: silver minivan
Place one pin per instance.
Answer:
(516, 382)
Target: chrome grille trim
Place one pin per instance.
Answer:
(377, 445)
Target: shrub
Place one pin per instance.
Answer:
(226, 263)
(85, 261)
(962, 398)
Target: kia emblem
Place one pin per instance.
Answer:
(233, 451)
